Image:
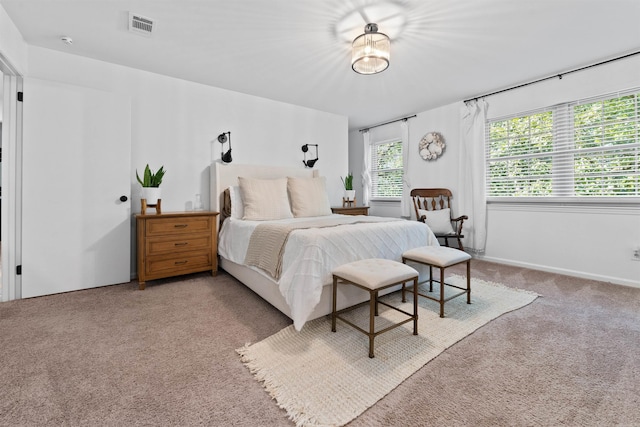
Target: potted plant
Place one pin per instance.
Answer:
(151, 184)
(349, 192)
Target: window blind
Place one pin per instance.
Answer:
(386, 169)
(589, 147)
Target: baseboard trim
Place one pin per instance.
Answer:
(566, 272)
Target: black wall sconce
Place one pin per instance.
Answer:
(222, 138)
(311, 162)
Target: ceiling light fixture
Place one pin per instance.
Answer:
(370, 53)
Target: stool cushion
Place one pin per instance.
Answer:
(375, 273)
(438, 256)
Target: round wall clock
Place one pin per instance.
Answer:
(431, 146)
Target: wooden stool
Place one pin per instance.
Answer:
(440, 257)
(374, 275)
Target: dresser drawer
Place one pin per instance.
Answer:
(178, 243)
(172, 226)
(174, 264)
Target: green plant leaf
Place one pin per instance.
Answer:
(348, 181)
(151, 179)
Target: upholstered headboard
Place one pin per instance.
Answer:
(224, 175)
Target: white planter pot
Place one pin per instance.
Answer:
(349, 195)
(151, 194)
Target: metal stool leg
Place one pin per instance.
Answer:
(376, 297)
(468, 281)
(430, 278)
(441, 292)
(415, 306)
(373, 304)
(333, 312)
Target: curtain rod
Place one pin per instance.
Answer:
(559, 76)
(386, 123)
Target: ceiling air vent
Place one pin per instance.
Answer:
(140, 24)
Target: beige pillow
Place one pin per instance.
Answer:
(264, 199)
(308, 196)
(233, 202)
(439, 221)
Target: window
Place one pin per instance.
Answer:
(386, 170)
(588, 148)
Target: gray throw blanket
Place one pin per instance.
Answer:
(268, 240)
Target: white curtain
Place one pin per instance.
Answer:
(405, 206)
(366, 167)
(472, 200)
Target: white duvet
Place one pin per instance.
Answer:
(311, 254)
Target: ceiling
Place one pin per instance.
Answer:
(298, 51)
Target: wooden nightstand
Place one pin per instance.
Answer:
(354, 210)
(175, 243)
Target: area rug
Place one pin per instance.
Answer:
(324, 378)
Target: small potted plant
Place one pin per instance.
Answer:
(349, 192)
(151, 184)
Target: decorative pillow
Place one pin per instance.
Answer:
(439, 221)
(225, 209)
(264, 199)
(237, 205)
(308, 196)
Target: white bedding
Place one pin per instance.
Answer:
(311, 254)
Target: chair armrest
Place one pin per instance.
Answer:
(459, 221)
(423, 218)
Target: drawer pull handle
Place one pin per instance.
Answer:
(181, 244)
(180, 225)
(180, 262)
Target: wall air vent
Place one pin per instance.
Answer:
(140, 24)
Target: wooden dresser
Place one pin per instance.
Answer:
(353, 210)
(175, 243)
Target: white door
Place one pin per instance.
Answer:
(76, 166)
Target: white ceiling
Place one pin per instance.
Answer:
(298, 51)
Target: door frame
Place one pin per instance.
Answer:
(11, 210)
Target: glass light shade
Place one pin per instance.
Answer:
(370, 51)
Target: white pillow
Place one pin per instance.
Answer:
(237, 207)
(439, 221)
(308, 196)
(264, 199)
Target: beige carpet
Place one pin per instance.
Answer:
(327, 379)
(166, 356)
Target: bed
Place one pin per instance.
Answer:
(314, 245)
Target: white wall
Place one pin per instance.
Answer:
(175, 123)
(12, 45)
(442, 172)
(591, 241)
